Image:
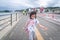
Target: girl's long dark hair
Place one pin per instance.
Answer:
(33, 13)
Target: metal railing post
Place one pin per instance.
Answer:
(11, 19)
(16, 16)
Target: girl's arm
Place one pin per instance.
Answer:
(25, 28)
(26, 24)
(45, 28)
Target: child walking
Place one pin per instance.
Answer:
(31, 25)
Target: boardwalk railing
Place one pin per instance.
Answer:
(52, 16)
(8, 19)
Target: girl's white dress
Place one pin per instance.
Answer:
(31, 26)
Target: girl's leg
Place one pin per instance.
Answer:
(30, 35)
(34, 36)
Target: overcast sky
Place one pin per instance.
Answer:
(22, 4)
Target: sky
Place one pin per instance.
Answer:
(23, 4)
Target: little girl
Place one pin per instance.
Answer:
(31, 24)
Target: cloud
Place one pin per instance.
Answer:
(22, 4)
(48, 3)
(15, 4)
(42, 2)
(57, 4)
(52, 3)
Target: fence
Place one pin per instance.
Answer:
(51, 16)
(8, 19)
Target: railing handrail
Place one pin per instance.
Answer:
(4, 18)
(11, 18)
(7, 14)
